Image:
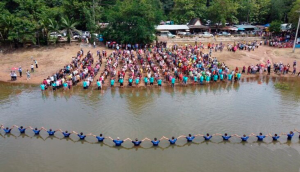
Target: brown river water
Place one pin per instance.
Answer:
(252, 105)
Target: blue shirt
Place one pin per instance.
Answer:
(81, 136)
(172, 141)
(42, 86)
(173, 80)
(118, 142)
(112, 82)
(100, 139)
(7, 130)
(136, 143)
(290, 136)
(260, 138)
(275, 138)
(121, 80)
(226, 137)
(155, 143)
(36, 131)
(207, 137)
(145, 80)
(51, 133)
(159, 82)
(130, 80)
(22, 130)
(66, 134)
(189, 139)
(84, 84)
(137, 80)
(245, 138)
(98, 83)
(151, 80)
(229, 77)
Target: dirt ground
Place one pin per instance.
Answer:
(51, 59)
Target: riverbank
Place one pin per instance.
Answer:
(51, 59)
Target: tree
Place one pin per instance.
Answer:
(293, 14)
(185, 10)
(69, 26)
(222, 11)
(133, 21)
(275, 27)
(167, 6)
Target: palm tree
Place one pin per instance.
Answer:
(52, 27)
(69, 26)
(43, 25)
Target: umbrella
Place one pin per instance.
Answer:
(14, 68)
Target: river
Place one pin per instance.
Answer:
(252, 105)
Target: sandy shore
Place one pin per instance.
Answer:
(51, 59)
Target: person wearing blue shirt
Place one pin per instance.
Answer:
(99, 84)
(173, 81)
(117, 142)
(221, 77)
(229, 77)
(155, 142)
(130, 80)
(36, 130)
(244, 137)
(215, 78)
(22, 129)
(66, 133)
(146, 81)
(100, 138)
(173, 140)
(260, 137)
(121, 80)
(151, 80)
(137, 80)
(53, 86)
(85, 85)
(42, 87)
(201, 79)
(226, 137)
(159, 81)
(7, 130)
(112, 82)
(50, 132)
(207, 137)
(190, 138)
(136, 142)
(290, 136)
(81, 136)
(275, 137)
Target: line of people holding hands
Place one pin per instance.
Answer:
(155, 141)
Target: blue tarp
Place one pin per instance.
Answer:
(267, 25)
(241, 29)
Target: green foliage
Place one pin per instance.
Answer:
(222, 11)
(293, 15)
(185, 10)
(275, 27)
(129, 22)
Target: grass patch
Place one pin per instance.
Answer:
(281, 86)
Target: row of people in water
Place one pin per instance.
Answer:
(155, 141)
(151, 80)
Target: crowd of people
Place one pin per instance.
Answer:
(136, 142)
(157, 65)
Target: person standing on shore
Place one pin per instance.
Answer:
(20, 71)
(28, 74)
(32, 68)
(36, 64)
